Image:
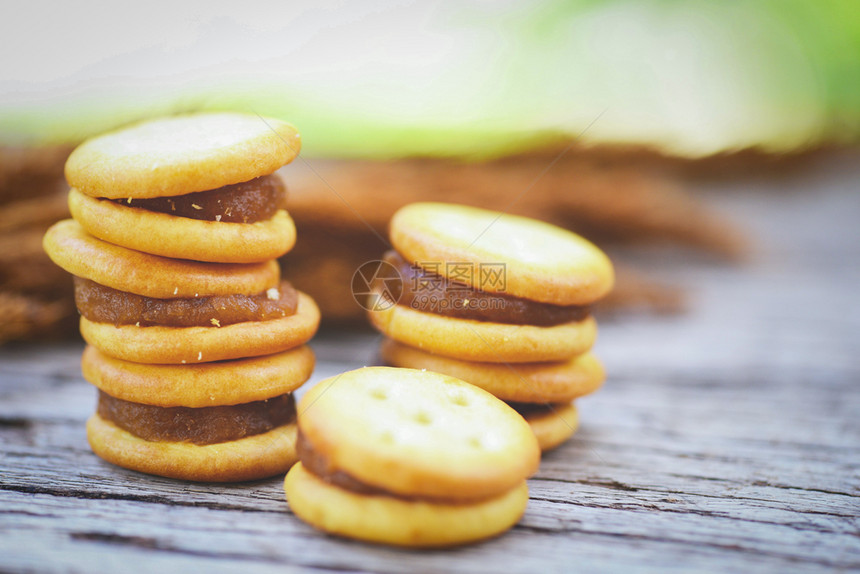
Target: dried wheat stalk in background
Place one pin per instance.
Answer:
(342, 210)
(35, 295)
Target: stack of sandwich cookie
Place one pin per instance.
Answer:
(410, 458)
(501, 301)
(195, 342)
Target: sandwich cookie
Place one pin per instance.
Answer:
(484, 286)
(199, 186)
(410, 458)
(221, 422)
(542, 262)
(151, 309)
(501, 301)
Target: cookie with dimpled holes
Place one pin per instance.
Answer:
(409, 457)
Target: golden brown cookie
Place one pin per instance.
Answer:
(397, 521)
(182, 237)
(472, 340)
(552, 382)
(83, 255)
(186, 345)
(418, 433)
(199, 385)
(553, 425)
(181, 154)
(541, 262)
(201, 154)
(249, 458)
(422, 450)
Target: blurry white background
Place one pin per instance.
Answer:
(398, 78)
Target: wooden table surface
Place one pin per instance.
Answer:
(725, 439)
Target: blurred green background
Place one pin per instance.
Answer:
(478, 79)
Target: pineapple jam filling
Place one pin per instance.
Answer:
(246, 202)
(200, 426)
(423, 290)
(533, 410)
(102, 304)
(319, 465)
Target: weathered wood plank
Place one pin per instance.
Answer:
(626, 489)
(119, 527)
(68, 465)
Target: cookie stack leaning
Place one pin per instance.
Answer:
(194, 342)
(501, 301)
(410, 458)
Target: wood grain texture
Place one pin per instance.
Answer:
(726, 439)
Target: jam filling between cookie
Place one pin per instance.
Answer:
(200, 426)
(320, 466)
(534, 411)
(247, 202)
(102, 304)
(422, 290)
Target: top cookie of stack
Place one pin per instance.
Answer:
(202, 183)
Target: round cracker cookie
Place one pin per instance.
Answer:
(200, 385)
(555, 426)
(388, 520)
(483, 341)
(181, 154)
(552, 382)
(540, 261)
(181, 237)
(250, 458)
(418, 433)
(181, 345)
(81, 254)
